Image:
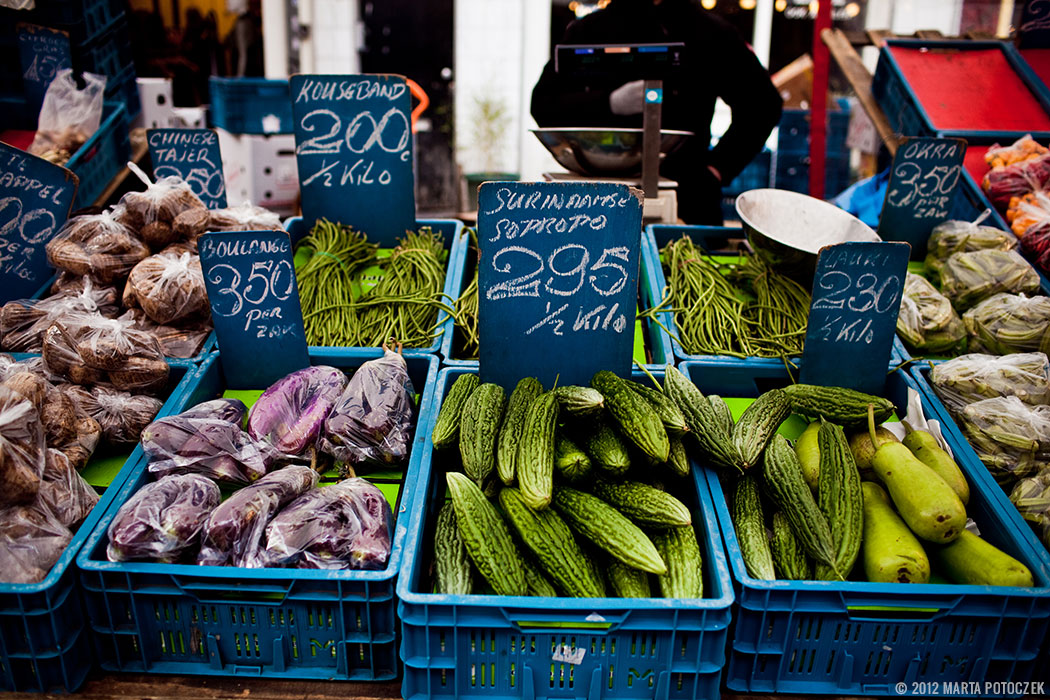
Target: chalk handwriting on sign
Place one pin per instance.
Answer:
(856, 296)
(43, 52)
(558, 278)
(1035, 25)
(353, 145)
(923, 180)
(254, 304)
(194, 156)
(35, 199)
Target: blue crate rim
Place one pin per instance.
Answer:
(1012, 57)
(83, 533)
(918, 372)
(456, 252)
(109, 123)
(100, 530)
(718, 570)
(910, 594)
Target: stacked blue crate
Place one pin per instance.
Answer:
(792, 157)
(757, 174)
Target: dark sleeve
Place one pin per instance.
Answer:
(558, 101)
(745, 86)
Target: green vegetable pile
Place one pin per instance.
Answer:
(744, 309)
(404, 304)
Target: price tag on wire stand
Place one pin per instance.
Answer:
(43, 52)
(194, 156)
(254, 305)
(923, 180)
(557, 280)
(353, 147)
(857, 292)
(35, 199)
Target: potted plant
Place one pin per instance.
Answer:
(491, 120)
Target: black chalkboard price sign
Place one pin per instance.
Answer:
(35, 199)
(43, 52)
(194, 156)
(557, 280)
(353, 146)
(254, 304)
(923, 180)
(857, 292)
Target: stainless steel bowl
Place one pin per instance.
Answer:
(597, 151)
(788, 229)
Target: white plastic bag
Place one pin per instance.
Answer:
(68, 116)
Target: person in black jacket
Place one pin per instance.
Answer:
(716, 63)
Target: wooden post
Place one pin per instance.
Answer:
(818, 107)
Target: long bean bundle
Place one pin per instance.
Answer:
(776, 320)
(467, 319)
(336, 256)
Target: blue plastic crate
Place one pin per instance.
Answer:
(921, 375)
(109, 54)
(44, 643)
(861, 638)
(657, 346)
(456, 243)
(905, 111)
(714, 240)
(793, 130)
(251, 105)
(501, 647)
(273, 623)
(792, 172)
(98, 160)
(125, 88)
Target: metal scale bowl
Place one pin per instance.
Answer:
(605, 152)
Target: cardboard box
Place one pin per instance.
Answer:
(795, 82)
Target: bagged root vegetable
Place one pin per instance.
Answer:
(207, 440)
(234, 532)
(168, 287)
(1010, 437)
(927, 320)
(21, 449)
(98, 245)
(1031, 497)
(154, 214)
(971, 378)
(121, 416)
(1015, 170)
(69, 115)
(23, 321)
(969, 278)
(92, 350)
(1009, 323)
(163, 520)
(290, 415)
(963, 237)
(1029, 213)
(31, 541)
(64, 491)
(243, 217)
(183, 340)
(343, 526)
(372, 422)
(79, 449)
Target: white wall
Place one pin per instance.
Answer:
(501, 47)
(908, 16)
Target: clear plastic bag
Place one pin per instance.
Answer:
(291, 413)
(168, 287)
(31, 541)
(343, 526)
(969, 278)
(208, 440)
(182, 341)
(122, 416)
(21, 449)
(163, 520)
(244, 217)
(971, 378)
(68, 116)
(374, 418)
(98, 245)
(927, 321)
(91, 350)
(23, 321)
(1021, 167)
(1031, 497)
(1008, 435)
(1008, 323)
(234, 532)
(66, 493)
(963, 237)
(159, 214)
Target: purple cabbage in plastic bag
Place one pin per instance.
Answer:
(234, 532)
(343, 526)
(373, 420)
(163, 520)
(291, 413)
